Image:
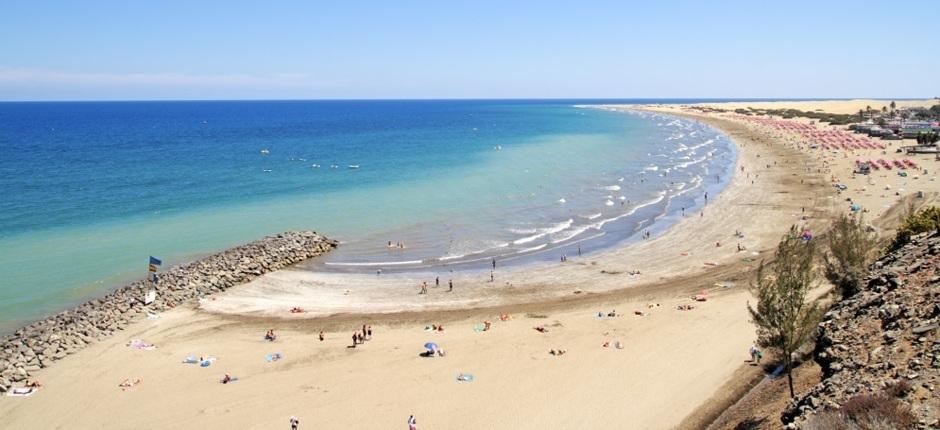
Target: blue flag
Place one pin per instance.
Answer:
(155, 261)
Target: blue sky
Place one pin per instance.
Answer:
(107, 50)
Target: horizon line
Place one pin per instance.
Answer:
(705, 99)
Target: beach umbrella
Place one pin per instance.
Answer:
(431, 346)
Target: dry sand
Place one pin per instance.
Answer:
(831, 106)
(673, 361)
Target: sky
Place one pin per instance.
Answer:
(159, 50)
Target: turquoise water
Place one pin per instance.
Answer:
(93, 189)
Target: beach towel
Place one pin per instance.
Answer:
(139, 344)
(21, 392)
(464, 377)
(207, 362)
(479, 328)
(151, 316)
(190, 360)
(273, 357)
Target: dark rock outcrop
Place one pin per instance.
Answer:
(885, 337)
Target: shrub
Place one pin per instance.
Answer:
(916, 223)
(877, 411)
(899, 389)
(850, 249)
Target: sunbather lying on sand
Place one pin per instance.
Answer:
(296, 310)
(227, 378)
(33, 384)
(541, 329)
(128, 383)
(557, 351)
(685, 307)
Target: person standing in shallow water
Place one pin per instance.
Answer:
(494, 262)
(450, 285)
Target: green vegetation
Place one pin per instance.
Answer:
(831, 118)
(915, 223)
(784, 318)
(850, 249)
(927, 138)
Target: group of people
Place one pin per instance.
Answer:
(359, 337)
(437, 283)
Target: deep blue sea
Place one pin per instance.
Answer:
(91, 189)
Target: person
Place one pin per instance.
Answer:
(579, 250)
(369, 332)
(35, 384)
(355, 342)
(321, 336)
(424, 288)
(754, 351)
(494, 263)
(126, 384)
(226, 379)
(412, 423)
(492, 275)
(360, 338)
(450, 285)
(294, 422)
(270, 336)
(437, 281)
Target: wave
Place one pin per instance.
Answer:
(534, 248)
(545, 232)
(592, 216)
(691, 162)
(612, 188)
(651, 168)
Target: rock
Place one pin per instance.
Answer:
(38, 344)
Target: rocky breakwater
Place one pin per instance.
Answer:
(39, 344)
(884, 341)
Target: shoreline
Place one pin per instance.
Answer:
(324, 294)
(674, 360)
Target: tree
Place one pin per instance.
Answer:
(850, 249)
(784, 318)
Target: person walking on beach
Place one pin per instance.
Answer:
(412, 423)
(450, 285)
(424, 288)
(294, 422)
(579, 250)
(437, 281)
(355, 342)
(369, 332)
(321, 336)
(492, 276)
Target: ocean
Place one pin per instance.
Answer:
(92, 189)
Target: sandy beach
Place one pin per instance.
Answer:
(672, 361)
